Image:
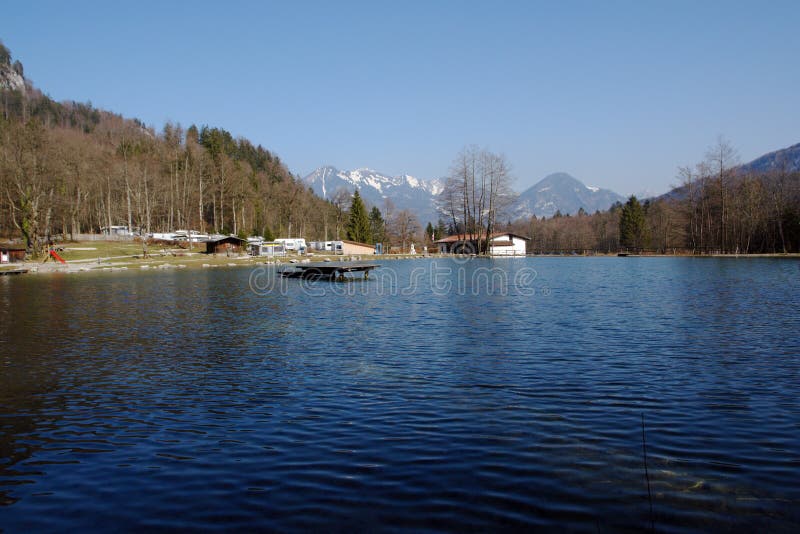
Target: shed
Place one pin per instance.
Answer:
(500, 244)
(11, 253)
(226, 245)
(507, 244)
(354, 247)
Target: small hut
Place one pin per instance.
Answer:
(226, 245)
(11, 253)
(354, 247)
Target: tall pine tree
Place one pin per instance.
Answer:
(440, 231)
(632, 225)
(358, 225)
(377, 225)
(429, 232)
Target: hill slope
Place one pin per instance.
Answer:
(786, 158)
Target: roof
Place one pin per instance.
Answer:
(475, 237)
(457, 237)
(226, 238)
(512, 235)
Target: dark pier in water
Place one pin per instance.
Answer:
(331, 270)
(12, 272)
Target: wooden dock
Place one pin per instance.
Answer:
(9, 272)
(330, 270)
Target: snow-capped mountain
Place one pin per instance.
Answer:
(556, 192)
(564, 193)
(405, 192)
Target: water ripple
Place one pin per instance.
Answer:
(182, 401)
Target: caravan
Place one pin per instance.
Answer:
(293, 244)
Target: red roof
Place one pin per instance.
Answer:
(454, 238)
(475, 237)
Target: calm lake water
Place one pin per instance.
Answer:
(436, 395)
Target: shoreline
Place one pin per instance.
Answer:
(199, 260)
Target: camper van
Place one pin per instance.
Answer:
(266, 248)
(293, 244)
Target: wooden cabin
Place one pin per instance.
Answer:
(11, 253)
(226, 245)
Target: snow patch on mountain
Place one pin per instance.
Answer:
(405, 191)
(558, 192)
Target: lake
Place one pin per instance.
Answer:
(438, 395)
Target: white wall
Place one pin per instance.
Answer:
(517, 250)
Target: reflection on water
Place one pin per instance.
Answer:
(186, 400)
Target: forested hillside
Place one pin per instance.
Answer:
(720, 207)
(68, 168)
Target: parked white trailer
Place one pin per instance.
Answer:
(293, 244)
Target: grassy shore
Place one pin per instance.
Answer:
(117, 256)
(122, 256)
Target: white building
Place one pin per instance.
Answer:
(500, 244)
(507, 244)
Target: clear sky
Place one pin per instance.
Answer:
(617, 93)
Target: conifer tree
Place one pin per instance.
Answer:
(632, 225)
(440, 231)
(358, 228)
(429, 233)
(377, 226)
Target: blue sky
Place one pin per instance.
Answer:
(617, 93)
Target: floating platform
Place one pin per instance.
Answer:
(9, 272)
(330, 270)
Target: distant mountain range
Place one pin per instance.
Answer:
(556, 192)
(405, 192)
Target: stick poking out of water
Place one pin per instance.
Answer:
(647, 476)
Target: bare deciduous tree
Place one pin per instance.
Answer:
(477, 191)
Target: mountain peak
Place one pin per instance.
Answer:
(562, 192)
(559, 176)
